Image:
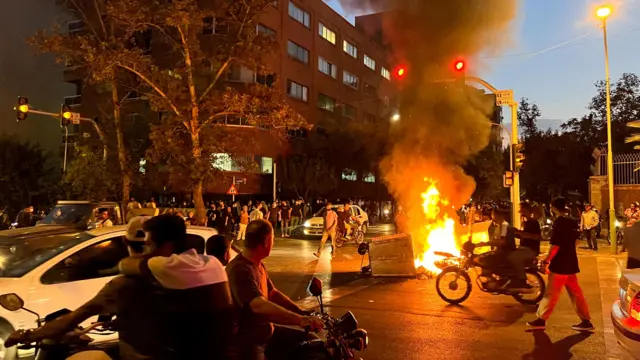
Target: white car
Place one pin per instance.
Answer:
(52, 270)
(315, 225)
(625, 313)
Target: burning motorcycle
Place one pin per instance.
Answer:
(343, 337)
(75, 345)
(453, 284)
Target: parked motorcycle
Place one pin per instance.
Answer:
(621, 223)
(453, 284)
(357, 234)
(75, 345)
(342, 339)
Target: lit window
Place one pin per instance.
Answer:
(267, 165)
(327, 34)
(222, 162)
(370, 178)
(327, 103)
(350, 175)
(299, 15)
(327, 68)
(350, 80)
(385, 73)
(141, 166)
(298, 52)
(297, 91)
(350, 49)
(369, 62)
(264, 30)
(349, 111)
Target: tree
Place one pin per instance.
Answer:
(184, 79)
(27, 174)
(89, 177)
(96, 49)
(486, 168)
(528, 115)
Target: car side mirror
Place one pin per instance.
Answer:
(315, 287)
(11, 302)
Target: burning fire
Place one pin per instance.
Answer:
(439, 230)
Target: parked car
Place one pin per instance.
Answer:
(81, 214)
(625, 313)
(52, 270)
(315, 225)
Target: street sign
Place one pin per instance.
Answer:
(75, 118)
(232, 190)
(241, 181)
(504, 97)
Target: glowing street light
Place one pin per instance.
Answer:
(603, 12)
(395, 117)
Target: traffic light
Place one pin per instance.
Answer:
(459, 66)
(65, 115)
(518, 157)
(22, 109)
(401, 72)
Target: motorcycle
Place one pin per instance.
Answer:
(342, 339)
(357, 234)
(74, 345)
(621, 223)
(545, 228)
(455, 272)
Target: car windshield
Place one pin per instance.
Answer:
(322, 211)
(71, 214)
(19, 256)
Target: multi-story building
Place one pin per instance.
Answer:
(329, 68)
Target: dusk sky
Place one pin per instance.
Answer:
(556, 57)
(558, 54)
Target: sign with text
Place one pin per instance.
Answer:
(75, 118)
(504, 97)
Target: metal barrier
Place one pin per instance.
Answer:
(626, 168)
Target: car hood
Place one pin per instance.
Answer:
(37, 231)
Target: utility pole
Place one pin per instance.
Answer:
(275, 195)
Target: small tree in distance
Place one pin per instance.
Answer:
(193, 49)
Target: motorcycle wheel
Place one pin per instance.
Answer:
(339, 241)
(359, 238)
(458, 276)
(5, 331)
(537, 282)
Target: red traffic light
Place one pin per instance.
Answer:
(459, 65)
(401, 71)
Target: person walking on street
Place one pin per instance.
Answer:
(296, 213)
(273, 215)
(133, 204)
(330, 227)
(588, 223)
(25, 217)
(285, 218)
(257, 213)
(151, 204)
(562, 266)
(244, 221)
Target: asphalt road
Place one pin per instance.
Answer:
(407, 320)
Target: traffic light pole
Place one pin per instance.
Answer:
(95, 126)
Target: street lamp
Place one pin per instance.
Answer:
(603, 12)
(395, 117)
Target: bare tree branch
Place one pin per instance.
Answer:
(153, 85)
(215, 80)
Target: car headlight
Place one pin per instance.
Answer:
(386, 211)
(307, 224)
(548, 221)
(618, 224)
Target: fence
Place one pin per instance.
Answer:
(626, 168)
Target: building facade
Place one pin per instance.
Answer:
(328, 68)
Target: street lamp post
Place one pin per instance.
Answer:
(603, 12)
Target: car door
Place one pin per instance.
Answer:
(78, 276)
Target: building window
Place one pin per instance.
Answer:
(222, 162)
(266, 79)
(350, 49)
(299, 15)
(349, 111)
(267, 165)
(385, 73)
(350, 80)
(350, 175)
(74, 100)
(369, 91)
(208, 25)
(239, 73)
(369, 62)
(369, 177)
(298, 52)
(327, 68)
(327, 34)
(297, 91)
(75, 26)
(327, 103)
(370, 118)
(264, 30)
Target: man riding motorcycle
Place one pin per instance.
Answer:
(191, 293)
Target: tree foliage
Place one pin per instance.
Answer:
(88, 177)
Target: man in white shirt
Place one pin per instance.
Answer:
(330, 227)
(588, 223)
(103, 220)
